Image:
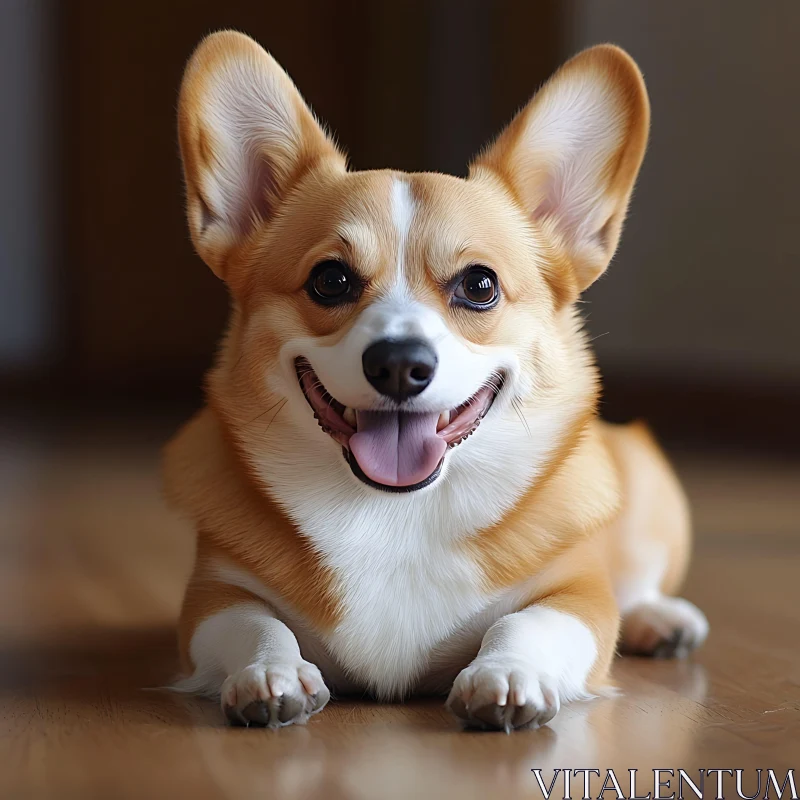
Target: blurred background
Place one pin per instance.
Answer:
(104, 307)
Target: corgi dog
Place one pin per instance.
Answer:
(399, 482)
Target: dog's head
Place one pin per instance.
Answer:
(403, 310)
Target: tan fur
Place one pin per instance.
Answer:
(568, 524)
(654, 505)
(234, 520)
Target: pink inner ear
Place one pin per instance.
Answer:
(259, 200)
(555, 204)
(545, 208)
(573, 197)
(206, 215)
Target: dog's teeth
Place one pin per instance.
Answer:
(349, 416)
(444, 420)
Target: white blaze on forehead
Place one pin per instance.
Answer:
(402, 215)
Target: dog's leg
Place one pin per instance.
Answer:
(663, 627)
(648, 547)
(238, 650)
(532, 661)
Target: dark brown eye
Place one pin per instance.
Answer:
(331, 282)
(478, 288)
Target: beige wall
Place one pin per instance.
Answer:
(708, 275)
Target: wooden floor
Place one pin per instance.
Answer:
(91, 573)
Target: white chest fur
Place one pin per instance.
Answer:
(402, 573)
(402, 593)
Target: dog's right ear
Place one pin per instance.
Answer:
(246, 138)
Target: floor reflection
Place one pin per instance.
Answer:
(404, 755)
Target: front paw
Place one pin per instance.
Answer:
(273, 695)
(502, 694)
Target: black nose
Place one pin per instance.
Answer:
(399, 368)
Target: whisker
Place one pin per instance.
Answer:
(258, 417)
(518, 408)
(275, 415)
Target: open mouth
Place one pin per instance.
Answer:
(397, 451)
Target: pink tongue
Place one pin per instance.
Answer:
(397, 448)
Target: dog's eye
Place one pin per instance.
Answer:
(331, 282)
(478, 288)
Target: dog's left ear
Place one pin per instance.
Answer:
(571, 156)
